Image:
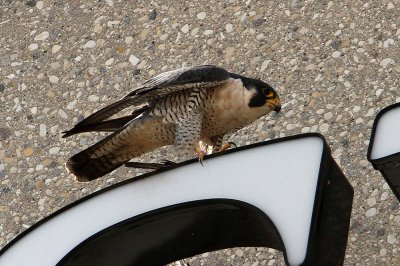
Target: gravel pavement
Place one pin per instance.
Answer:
(334, 63)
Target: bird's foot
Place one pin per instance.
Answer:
(200, 153)
(227, 145)
(152, 166)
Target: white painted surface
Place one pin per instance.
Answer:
(387, 135)
(280, 179)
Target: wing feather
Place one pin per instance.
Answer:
(204, 77)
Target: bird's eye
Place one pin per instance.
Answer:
(268, 93)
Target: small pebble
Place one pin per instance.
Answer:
(371, 212)
(142, 64)
(185, 28)
(387, 61)
(53, 79)
(128, 40)
(364, 163)
(110, 2)
(194, 32)
(201, 15)
(239, 252)
(42, 130)
(153, 14)
(93, 98)
(5, 133)
(55, 65)
(258, 22)
(391, 239)
(54, 129)
(324, 128)
(229, 27)
(260, 37)
(265, 64)
(164, 37)
(42, 36)
(33, 47)
(336, 54)
(328, 116)
(54, 150)
(112, 23)
(39, 5)
(384, 196)
(229, 53)
(89, 44)
(385, 186)
(97, 28)
(34, 110)
(359, 120)
(71, 105)
(42, 201)
(371, 202)
(133, 60)
(62, 114)
(290, 126)
(27, 152)
(31, 3)
(109, 62)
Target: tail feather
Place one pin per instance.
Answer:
(137, 137)
(86, 169)
(106, 112)
(107, 125)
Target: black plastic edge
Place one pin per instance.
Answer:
(331, 215)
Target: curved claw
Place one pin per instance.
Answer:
(200, 153)
(227, 146)
(232, 144)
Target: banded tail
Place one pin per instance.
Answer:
(139, 136)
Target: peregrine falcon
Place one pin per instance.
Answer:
(182, 107)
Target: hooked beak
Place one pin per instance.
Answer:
(275, 104)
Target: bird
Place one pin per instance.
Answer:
(183, 107)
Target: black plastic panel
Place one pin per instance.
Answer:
(389, 166)
(177, 232)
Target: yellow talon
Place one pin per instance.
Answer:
(200, 153)
(226, 146)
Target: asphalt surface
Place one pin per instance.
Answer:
(335, 65)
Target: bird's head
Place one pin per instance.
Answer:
(265, 96)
